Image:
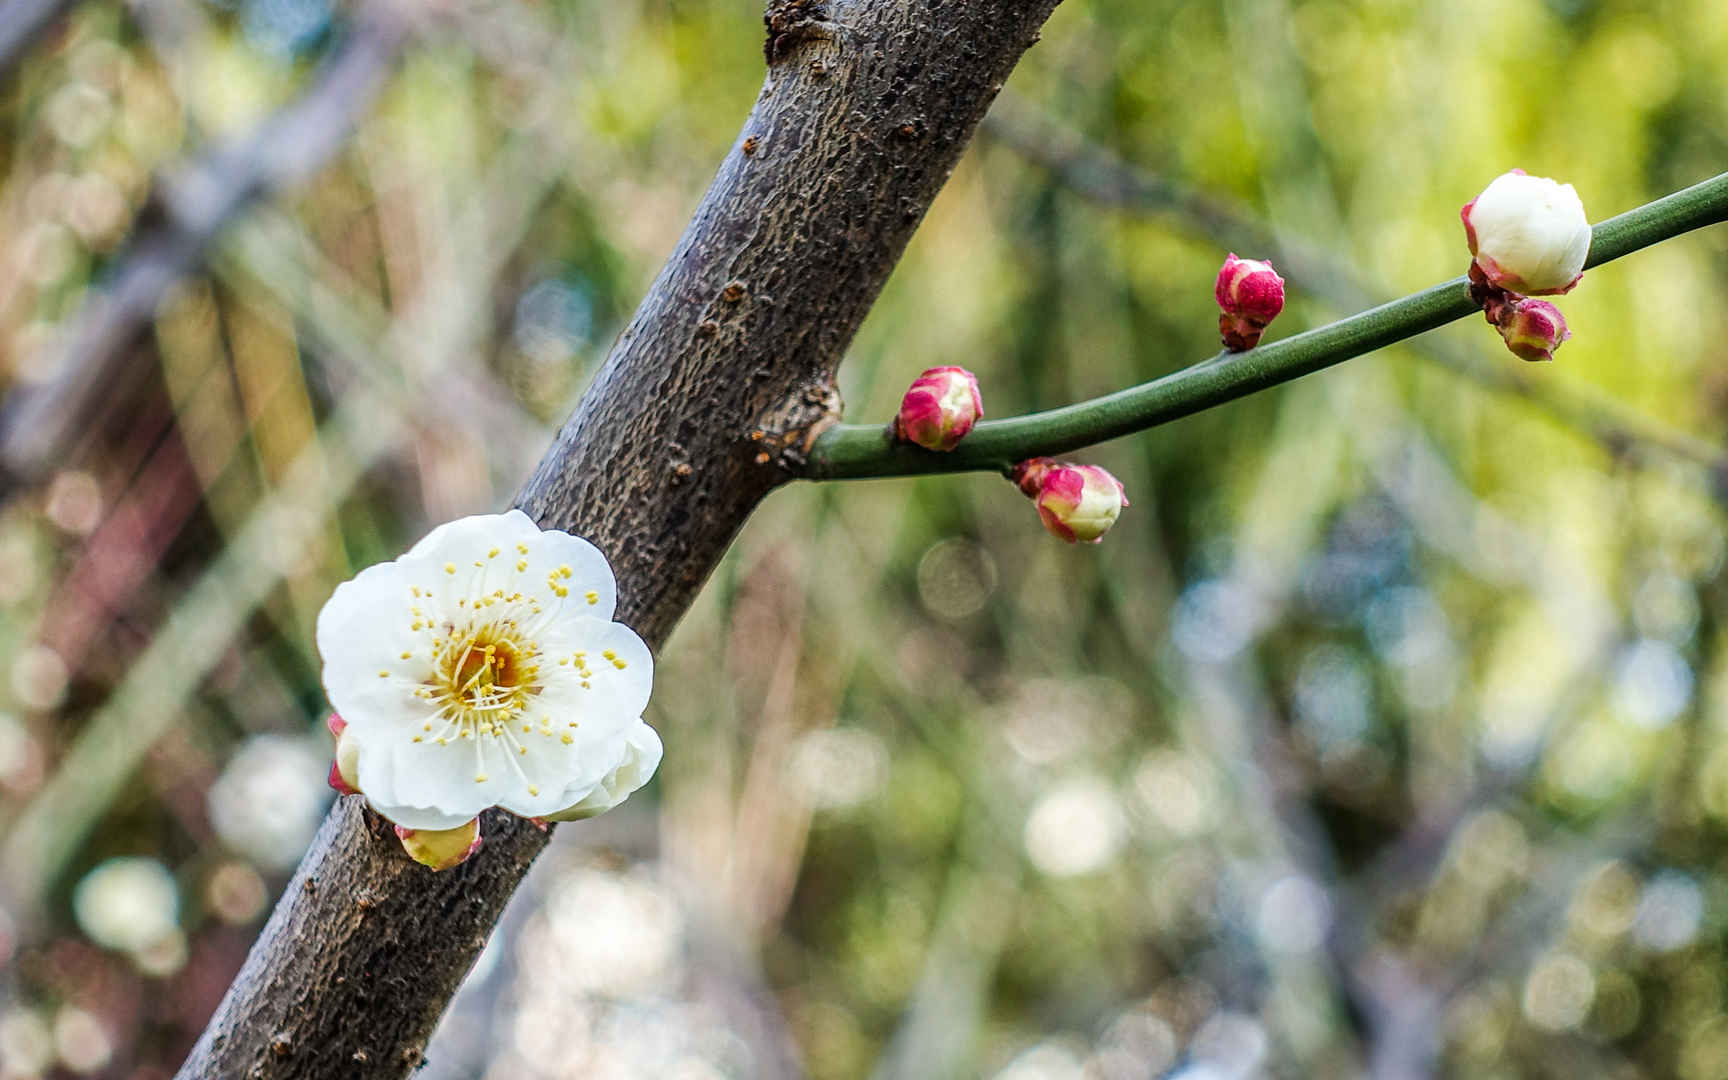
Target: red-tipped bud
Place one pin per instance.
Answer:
(441, 849)
(1075, 502)
(1250, 295)
(1533, 329)
(1528, 234)
(939, 409)
(344, 770)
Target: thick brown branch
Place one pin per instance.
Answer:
(723, 375)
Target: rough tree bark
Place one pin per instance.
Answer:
(708, 397)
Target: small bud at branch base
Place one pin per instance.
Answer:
(1075, 502)
(939, 409)
(1533, 329)
(1250, 295)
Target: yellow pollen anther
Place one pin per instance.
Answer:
(493, 554)
(441, 742)
(591, 596)
(521, 565)
(619, 664)
(522, 549)
(407, 656)
(417, 625)
(566, 739)
(565, 571)
(481, 779)
(532, 790)
(383, 674)
(610, 655)
(449, 568)
(417, 738)
(521, 749)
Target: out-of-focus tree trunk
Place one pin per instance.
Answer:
(721, 379)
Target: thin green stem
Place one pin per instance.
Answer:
(852, 451)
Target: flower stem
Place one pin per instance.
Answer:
(855, 451)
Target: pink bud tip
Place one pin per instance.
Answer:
(338, 783)
(1533, 329)
(939, 409)
(1075, 502)
(1250, 295)
(345, 769)
(440, 849)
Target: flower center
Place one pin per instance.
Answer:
(482, 679)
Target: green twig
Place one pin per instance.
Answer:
(851, 451)
(1100, 177)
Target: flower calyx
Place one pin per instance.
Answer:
(441, 849)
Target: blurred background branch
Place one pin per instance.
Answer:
(22, 22)
(92, 369)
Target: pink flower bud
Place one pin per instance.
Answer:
(1075, 502)
(1528, 234)
(1533, 329)
(441, 849)
(1250, 295)
(940, 408)
(344, 771)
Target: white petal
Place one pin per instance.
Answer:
(417, 785)
(556, 773)
(418, 817)
(362, 632)
(642, 754)
(476, 556)
(618, 686)
(476, 532)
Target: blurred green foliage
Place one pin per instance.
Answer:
(1386, 729)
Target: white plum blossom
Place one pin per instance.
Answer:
(483, 669)
(1528, 234)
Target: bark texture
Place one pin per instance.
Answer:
(708, 400)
